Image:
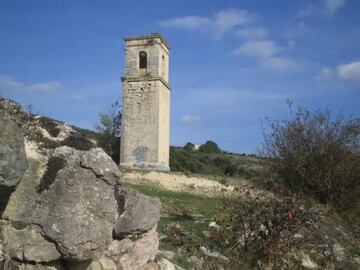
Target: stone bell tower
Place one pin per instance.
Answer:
(146, 104)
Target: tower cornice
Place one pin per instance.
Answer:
(152, 35)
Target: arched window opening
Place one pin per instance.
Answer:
(163, 66)
(142, 60)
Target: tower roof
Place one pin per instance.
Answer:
(152, 35)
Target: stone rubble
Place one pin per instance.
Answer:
(63, 205)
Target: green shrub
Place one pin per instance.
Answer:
(108, 130)
(317, 155)
(209, 147)
(189, 147)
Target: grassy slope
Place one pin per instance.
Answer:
(185, 219)
(193, 214)
(219, 164)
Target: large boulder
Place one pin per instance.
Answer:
(142, 251)
(141, 212)
(13, 161)
(124, 254)
(75, 209)
(28, 244)
(134, 255)
(67, 209)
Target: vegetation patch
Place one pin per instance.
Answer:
(54, 165)
(50, 125)
(221, 164)
(78, 142)
(316, 154)
(185, 219)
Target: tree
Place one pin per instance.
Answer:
(317, 155)
(109, 129)
(209, 147)
(189, 147)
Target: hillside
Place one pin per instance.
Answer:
(205, 224)
(228, 166)
(219, 210)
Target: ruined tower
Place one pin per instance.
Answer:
(146, 103)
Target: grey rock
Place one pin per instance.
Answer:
(101, 164)
(141, 212)
(13, 161)
(124, 254)
(164, 264)
(196, 261)
(28, 244)
(14, 265)
(102, 264)
(139, 253)
(206, 251)
(118, 248)
(76, 209)
(66, 200)
(167, 254)
(80, 211)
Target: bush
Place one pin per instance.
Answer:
(317, 155)
(189, 147)
(109, 131)
(209, 147)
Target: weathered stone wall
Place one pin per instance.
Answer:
(158, 58)
(146, 105)
(164, 124)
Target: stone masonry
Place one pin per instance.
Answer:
(146, 104)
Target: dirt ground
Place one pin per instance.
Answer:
(177, 182)
(195, 184)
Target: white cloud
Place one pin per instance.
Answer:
(190, 119)
(298, 31)
(350, 71)
(7, 83)
(217, 25)
(226, 20)
(281, 63)
(188, 22)
(333, 6)
(345, 72)
(252, 33)
(325, 74)
(267, 52)
(261, 48)
(324, 7)
(306, 10)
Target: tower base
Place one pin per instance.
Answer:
(146, 167)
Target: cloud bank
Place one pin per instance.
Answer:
(221, 23)
(324, 7)
(346, 72)
(190, 119)
(268, 53)
(8, 84)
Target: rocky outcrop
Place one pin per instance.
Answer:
(141, 213)
(63, 205)
(13, 161)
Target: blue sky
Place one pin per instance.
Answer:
(232, 62)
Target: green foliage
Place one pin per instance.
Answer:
(317, 155)
(189, 147)
(209, 147)
(255, 231)
(108, 130)
(184, 219)
(217, 164)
